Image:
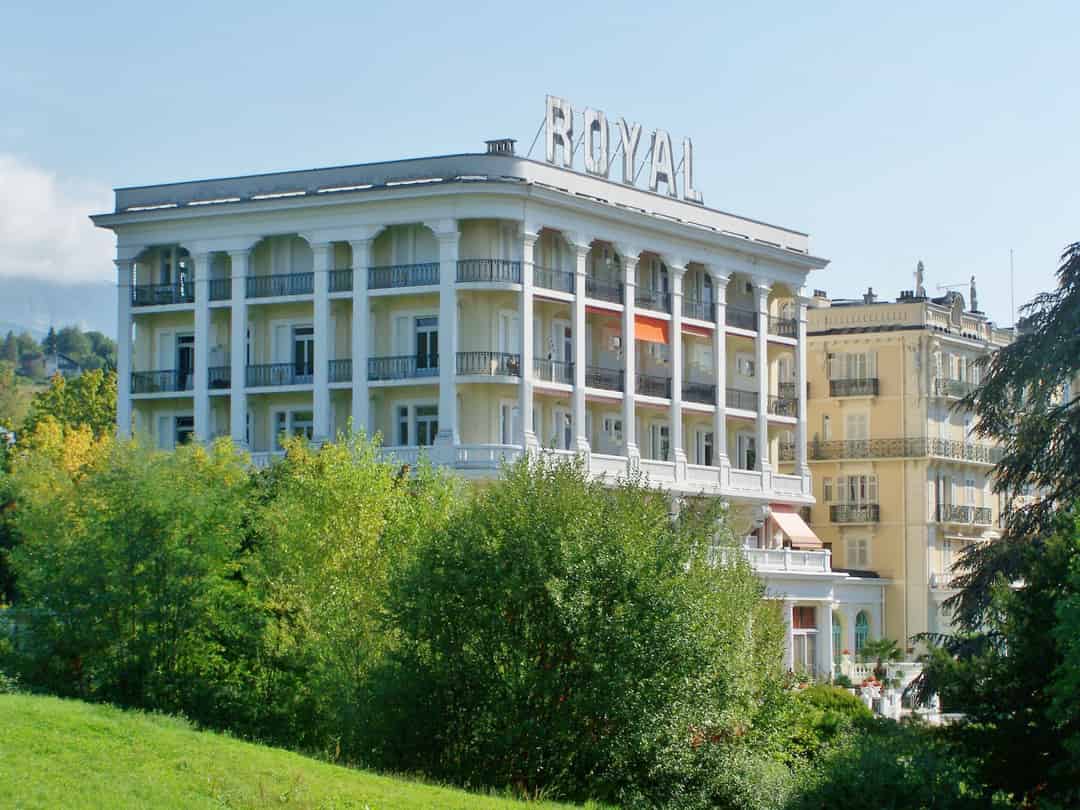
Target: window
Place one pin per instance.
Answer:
(427, 424)
(862, 630)
(509, 423)
(293, 423)
(826, 428)
(857, 426)
(562, 430)
(613, 433)
(303, 354)
(803, 617)
(852, 366)
(826, 490)
(185, 362)
(746, 451)
(856, 489)
(185, 429)
(836, 643)
(403, 425)
(745, 365)
(969, 491)
(704, 448)
(660, 436)
(858, 553)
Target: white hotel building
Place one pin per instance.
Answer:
(476, 307)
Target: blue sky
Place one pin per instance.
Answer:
(945, 132)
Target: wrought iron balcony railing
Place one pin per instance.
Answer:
(220, 377)
(151, 295)
(953, 513)
(553, 371)
(703, 392)
(854, 513)
(489, 364)
(403, 367)
(220, 289)
(603, 290)
(909, 447)
(652, 386)
(854, 387)
(389, 276)
(340, 371)
(341, 280)
(783, 327)
(610, 379)
(157, 382)
(272, 374)
(743, 400)
(964, 451)
(945, 387)
(280, 285)
(783, 406)
(741, 318)
(490, 270)
(550, 279)
(657, 300)
(788, 390)
(702, 310)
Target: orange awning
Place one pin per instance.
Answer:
(791, 524)
(650, 330)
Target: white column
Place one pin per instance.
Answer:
(361, 314)
(448, 437)
(849, 629)
(124, 269)
(203, 429)
(238, 350)
(581, 440)
(528, 244)
(824, 639)
(323, 252)
(630, 263)
(678, 451)
(789, 637)
(720, 376)
(761, 344)
(802, 468)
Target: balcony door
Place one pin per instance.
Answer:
(303, 355)
(510, 423)
(427, 424)
(703, 447)
(746, 451)
(427, 346)
(185, 362)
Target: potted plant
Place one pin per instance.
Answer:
(882, 651)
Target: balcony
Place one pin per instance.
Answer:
(554, 371)
(488, 364)
(652, 299)
(788, 390)
(273, 374)
(741, 318)
(965, 451)
(341, 280)
(154, 295)
(783, 327)
(561, 280)
(610, 379)
(783, 406)
(743, 400)
(855, 387)
(703, 392)
(340, 371)
(504, 271)
(911, 447)
(280, 285)
(603, 290)
(159, 382)
(402, 367)
(945, 387)
(970, 515)
(219, 377)
(220, 289)
(652, 386)
(784, 559)
(392, 276)
(701, 310)
(855, 513)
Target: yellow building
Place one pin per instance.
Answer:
(901, 484)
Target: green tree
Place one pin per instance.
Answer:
(562, 636)
(51, 344)
(9, 350)
(71, 340)
(14, 398)
(89, 399)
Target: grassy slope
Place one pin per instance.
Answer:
(58, 753)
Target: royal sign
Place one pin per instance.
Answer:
(559, 137)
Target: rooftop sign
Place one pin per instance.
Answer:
(595, 138)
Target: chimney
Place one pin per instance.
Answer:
(502, 146)
(869, 297)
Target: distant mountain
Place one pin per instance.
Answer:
(36, 304)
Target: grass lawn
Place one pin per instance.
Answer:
(66, 754)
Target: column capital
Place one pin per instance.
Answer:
(675, 264)
(628, 251)
(444, 229)
(719, 276)
(124, 264)
(241, 253)
(529, 235)
(581, 246)
(761, 284)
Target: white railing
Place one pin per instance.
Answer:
(658, 470)
(607, 465)
(941, 580)
(745, 479)
(486, 456)
(699, 474)
(262, 460)
(787, 484)
(787, 559)
(400, 455)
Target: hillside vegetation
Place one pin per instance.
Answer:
(64, 753)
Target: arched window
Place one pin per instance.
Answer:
(836, 639)
(862, 630)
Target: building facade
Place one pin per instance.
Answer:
(474, 308)
(901, 483)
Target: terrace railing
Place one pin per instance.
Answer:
(220, 377)
(703, 392)
(220, 289)
(150, 295)
(650, 385)
(652, 299)
(953, 513)
(489, 364)
(946, 387)
(783, 327)
(701, 310)
(341, 280)
(610, 379)
(603, 290)
(555, 371)
(783, 406)
(854, 387)
(280, 285)
(272, 374)
(855, 513)
(403, 367)
(550, 279)
(157, 382)
(743, 400)
(391, 276)
(741, 318)
(489, 270)
(340, 371)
